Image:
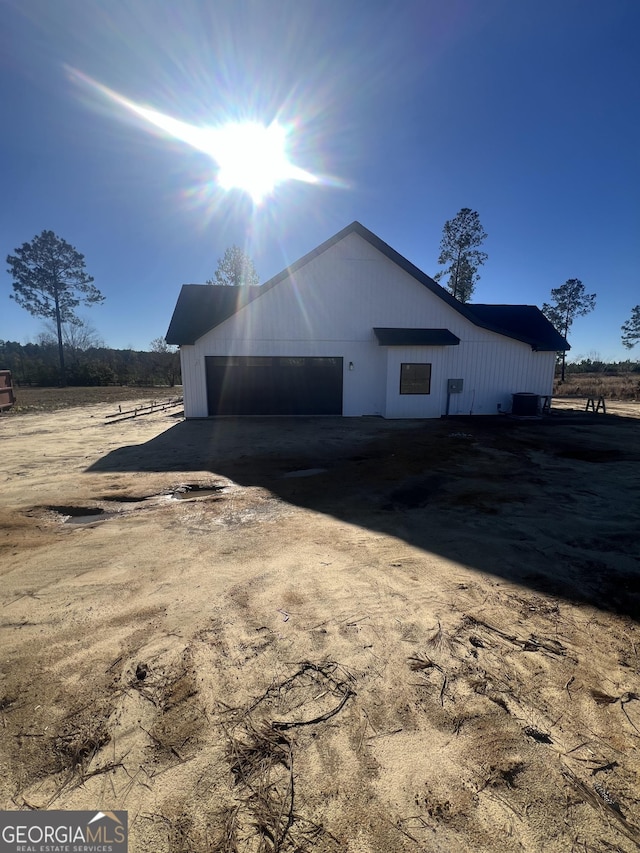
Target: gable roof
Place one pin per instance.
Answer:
(198, 310)
(201, 307)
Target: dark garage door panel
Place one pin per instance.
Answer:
(277, 385)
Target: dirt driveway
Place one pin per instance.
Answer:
(328, 635)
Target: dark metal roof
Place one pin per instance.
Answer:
(199, 309)
(416, 337)
(526, 323)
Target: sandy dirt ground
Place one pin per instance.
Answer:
(325, 635)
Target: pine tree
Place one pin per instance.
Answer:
(235, 268)
(631, 329)
(50, 281)
(571, 301)
(459, 248)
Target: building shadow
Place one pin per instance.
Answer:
(550, 504)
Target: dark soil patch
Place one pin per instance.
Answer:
(415, 493)
(38, 400)
(76, 511)
(592, 454)
(125, 499)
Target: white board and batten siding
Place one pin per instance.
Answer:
(329, 308)
(194, 382)
(490, 376)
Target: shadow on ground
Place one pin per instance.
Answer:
(551, 503)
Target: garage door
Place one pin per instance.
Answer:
(248, 385)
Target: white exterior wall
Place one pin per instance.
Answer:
(194, 383)
(329, 308)
(491, 373)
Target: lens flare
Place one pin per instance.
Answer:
(251, 156)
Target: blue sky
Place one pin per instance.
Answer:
(524, 110)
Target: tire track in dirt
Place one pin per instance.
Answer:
(484, 714)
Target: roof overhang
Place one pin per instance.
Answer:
(415, 337)
(202, 307)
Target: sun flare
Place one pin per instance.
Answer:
(251, 156)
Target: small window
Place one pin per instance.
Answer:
(415, 378)
(292, 361)
(228, 361)
(256, 361)
(324, 362)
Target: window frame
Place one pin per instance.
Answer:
(405, 368)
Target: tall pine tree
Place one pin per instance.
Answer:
(50, 281)
(459, 248)
(570, 301)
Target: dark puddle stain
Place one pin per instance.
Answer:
(76, 511)
(195, 490)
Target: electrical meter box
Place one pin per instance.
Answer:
(454, 386)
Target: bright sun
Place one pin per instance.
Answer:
(251, 156)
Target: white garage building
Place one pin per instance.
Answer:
(351, 329)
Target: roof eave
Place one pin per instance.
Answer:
(396, 258)
(406, 337)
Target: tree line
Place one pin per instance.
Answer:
(50, 281)
(38, 364)
(594, 364)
